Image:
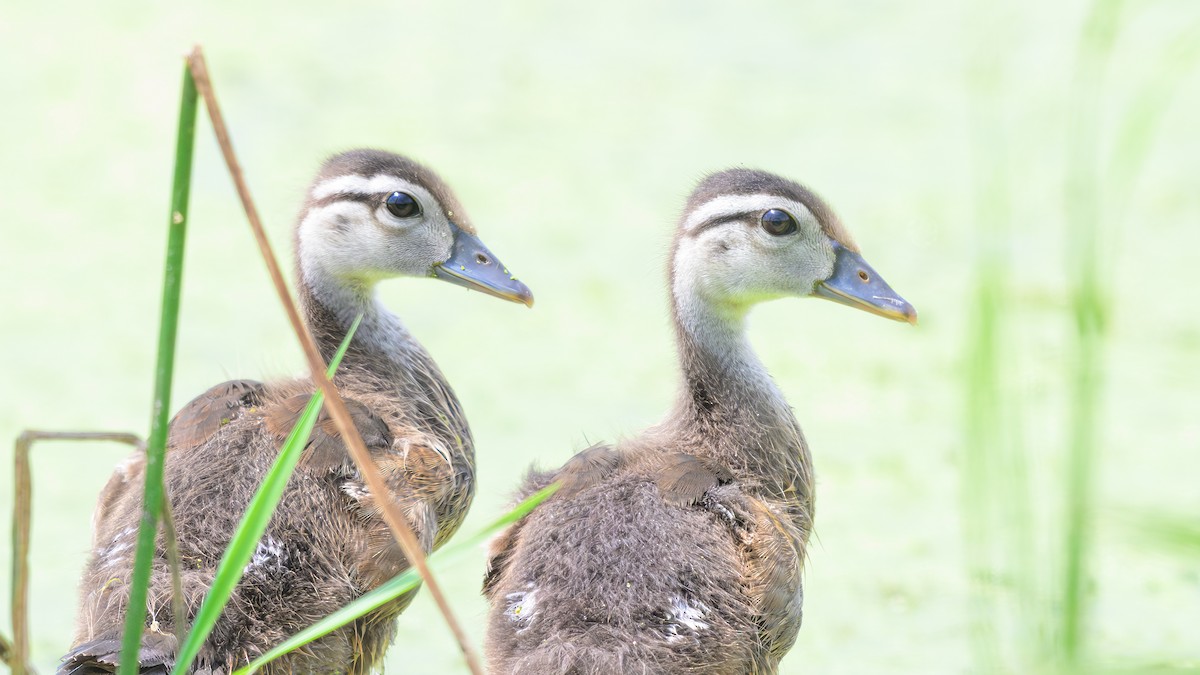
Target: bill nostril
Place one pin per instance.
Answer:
(862, 274)
(482, 259)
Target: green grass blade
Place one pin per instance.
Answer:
(982, 384)
(394, 588)
(1085, 232)
(164, 371)
(254, 522)
(996, 491)
(1142, 119)
(1169, 532)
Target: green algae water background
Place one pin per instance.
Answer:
(1026, 175)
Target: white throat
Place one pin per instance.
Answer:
(715, 334)
(380, 330)
(718, 333)
(346, 297)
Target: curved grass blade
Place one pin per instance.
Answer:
(394, 588)
(254, 522)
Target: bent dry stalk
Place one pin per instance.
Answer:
(18, 652)
(401, 531)
(196, 83)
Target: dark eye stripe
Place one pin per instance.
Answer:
(720, 220)
(359, 197)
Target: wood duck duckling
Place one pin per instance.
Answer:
(369, 215)
(680, 550)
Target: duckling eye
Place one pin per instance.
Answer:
(777, 222)
(402, 205)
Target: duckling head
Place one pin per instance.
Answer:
(373, 215)
(748, 236)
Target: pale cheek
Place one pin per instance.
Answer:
(823, 269)
(370, 251)
(718, 248)
(361, 251)
(407, 256)
(779, 273)
(740, 273)
(810, 263)
(419, 250)
(720, 269)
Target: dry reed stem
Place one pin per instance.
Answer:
(333, 401)
(172, 541)
(22, 512)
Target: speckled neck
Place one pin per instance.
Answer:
(721, 373)
(728, 407)
(331, 306)
(383, 357)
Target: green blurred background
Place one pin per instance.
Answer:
(572, 132)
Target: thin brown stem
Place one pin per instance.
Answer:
(177, 608)
(6, 654)
(400, 528)
(22, 511)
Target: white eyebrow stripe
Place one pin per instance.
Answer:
(359, 185)
(730, 205)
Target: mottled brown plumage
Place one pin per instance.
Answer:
(587, 468)
(204, 415)
(684, 479)
(327, 543)
(681, 550)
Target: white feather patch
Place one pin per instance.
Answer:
(521, 606)
(269, 553)
(121, 543)
(685, 619)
